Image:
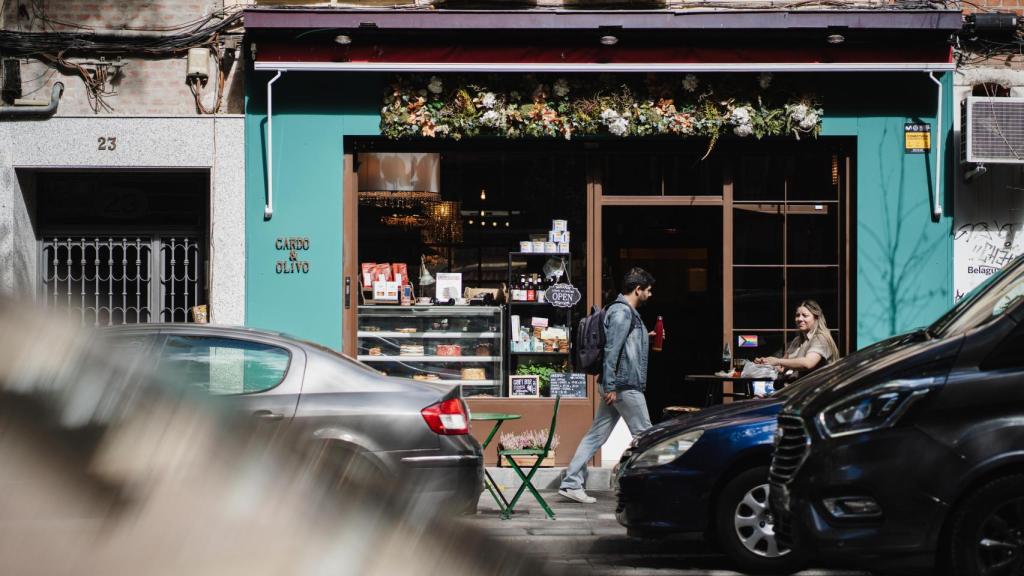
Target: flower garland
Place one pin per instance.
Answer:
(555, 107)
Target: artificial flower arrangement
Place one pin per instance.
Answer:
(555, 107)
(529, 440)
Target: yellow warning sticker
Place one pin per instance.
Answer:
(917, 138)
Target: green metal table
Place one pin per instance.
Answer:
(498, 418)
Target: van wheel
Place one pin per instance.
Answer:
(745, 529)
(987, 530)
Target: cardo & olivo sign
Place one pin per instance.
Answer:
(293, 246)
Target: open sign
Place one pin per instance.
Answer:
(562, 295)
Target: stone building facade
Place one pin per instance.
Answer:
(125, 203)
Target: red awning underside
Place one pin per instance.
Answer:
(275, 51)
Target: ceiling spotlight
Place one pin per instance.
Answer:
(609, 40)
(495, 224)
(835, 38)
(506, 224)
(470, 221)
(343, 39)
(483, 194)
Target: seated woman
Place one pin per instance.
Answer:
(812, 348)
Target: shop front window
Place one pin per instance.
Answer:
(788, 245)
(470, 307)
(680, 173)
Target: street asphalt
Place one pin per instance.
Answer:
(585, 539)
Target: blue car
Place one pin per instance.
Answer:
(707, 472)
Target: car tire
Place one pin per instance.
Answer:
(987, 528)
(744, 528)
(344, 469)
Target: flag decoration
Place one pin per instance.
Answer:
(747, 341)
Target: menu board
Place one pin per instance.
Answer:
(572, 385)
(525, 385)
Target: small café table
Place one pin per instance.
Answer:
(498, 418)
(714, 382)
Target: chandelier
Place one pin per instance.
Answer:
(399, 179)
(444, 223)
(404, 221)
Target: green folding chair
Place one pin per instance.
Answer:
(527, 479)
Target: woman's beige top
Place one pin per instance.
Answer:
(802, 346)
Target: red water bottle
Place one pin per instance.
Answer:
(659, 335)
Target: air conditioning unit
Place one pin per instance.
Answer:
(992, 130)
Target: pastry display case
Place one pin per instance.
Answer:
(460, 345)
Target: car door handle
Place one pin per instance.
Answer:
(268, 415)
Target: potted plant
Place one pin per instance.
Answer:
(532, 440)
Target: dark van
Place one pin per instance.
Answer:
(908, 456)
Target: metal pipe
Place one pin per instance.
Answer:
(597, 67)
(268, 209)
(937, 207)
(29, 111)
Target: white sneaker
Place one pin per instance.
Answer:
(577, 495)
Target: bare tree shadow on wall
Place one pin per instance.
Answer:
(904, 251)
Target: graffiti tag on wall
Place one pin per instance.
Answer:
(983, 248)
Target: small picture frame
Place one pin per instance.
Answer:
(524, 386)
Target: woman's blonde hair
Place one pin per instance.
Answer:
(820, 327)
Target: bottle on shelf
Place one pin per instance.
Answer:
(531, 292)
(726, 358)
(659, 335)
(542, 285)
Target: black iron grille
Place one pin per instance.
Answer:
(790, 450)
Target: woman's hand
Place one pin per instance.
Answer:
(771, 361)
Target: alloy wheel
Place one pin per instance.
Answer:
(755, 526)
(1001, 541)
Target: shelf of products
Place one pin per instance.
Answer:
(539, 332)
(459, 345)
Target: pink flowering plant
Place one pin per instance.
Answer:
(541, 106)
(531, 439)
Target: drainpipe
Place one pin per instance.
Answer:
(937, 207)
(268, 210)
(33, 111)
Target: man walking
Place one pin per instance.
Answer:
(623, 379)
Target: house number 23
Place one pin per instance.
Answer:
(108, 143)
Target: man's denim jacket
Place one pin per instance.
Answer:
(625, 344)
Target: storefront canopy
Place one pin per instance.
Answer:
(609, 41)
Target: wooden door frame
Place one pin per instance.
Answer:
(351, 279)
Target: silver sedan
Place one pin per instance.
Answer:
(357, 421)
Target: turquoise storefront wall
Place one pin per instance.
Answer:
(903, 257)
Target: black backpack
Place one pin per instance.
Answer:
(590, 340)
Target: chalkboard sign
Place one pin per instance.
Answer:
(572, 385)
(524, 386)
(562, 295)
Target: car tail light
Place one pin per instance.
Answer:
(448, 417)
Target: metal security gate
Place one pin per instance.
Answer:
(124, 280)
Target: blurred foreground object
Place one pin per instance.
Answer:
(107, 472)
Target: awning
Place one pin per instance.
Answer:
(569, 41)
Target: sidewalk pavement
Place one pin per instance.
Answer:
(587, 540)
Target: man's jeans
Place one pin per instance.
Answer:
(632, 406)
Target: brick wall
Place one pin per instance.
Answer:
(145, 86)
(995, 5)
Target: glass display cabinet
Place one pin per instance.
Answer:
(450, 344)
